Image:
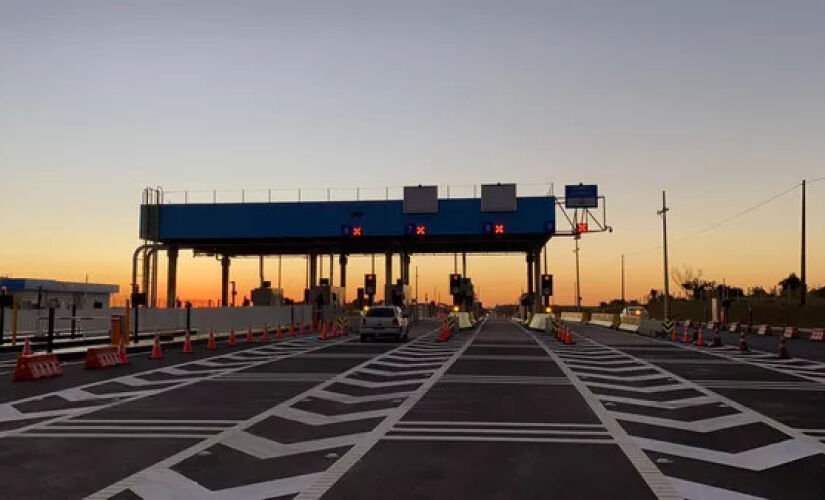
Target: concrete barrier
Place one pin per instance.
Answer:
(818, 334)
(630, 323)
(764, 330)
(651, 327)
(607, 320)
(539, 322)
(575, 317)
(463, 319)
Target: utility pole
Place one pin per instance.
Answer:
(803, 278)
(663, 213)
(416, 284)
(578, 278)
(622, 278)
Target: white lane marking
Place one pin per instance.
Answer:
(689, 489)
(263, 448)
(496, 424)
(111, 435)
(498, 438)
(339, 468)
(63, 414)
(550, 432)
(672, 404)
(756, 459)
(349, 399)
(166, 484)
(651, 474)
(794, 433)
(283, 409)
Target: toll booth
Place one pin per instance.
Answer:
(265, 295)
(325, 295)
(399, 294)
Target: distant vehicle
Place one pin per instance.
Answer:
(384, 321)
(638, 311)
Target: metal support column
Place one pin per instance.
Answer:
(331, 270)
(172, 277)
(529, 259)
(387, 276)
(537, 278)
(225, 261)
(313, 270)
(342, 261)
(407, 260)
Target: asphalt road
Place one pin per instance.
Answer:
(496, 412)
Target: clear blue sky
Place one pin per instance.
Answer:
(720, 102)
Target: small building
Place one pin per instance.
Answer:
(37, 293)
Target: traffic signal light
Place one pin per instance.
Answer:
(369, 284)
(547, 285)
(455, 283)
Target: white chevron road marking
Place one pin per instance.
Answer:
(166, 484)
(263, 448)
(689, 489)
(672, 404)
(756, 459)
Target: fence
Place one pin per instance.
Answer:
(93, 322)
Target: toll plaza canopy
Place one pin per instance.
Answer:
(498, 221)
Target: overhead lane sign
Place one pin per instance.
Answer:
(581, 196)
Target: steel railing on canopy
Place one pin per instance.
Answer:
(157, 195)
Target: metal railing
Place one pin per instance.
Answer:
(315, 194)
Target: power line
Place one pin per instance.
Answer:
(725, 220)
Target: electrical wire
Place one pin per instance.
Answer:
(723, 221)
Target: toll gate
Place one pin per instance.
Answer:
(496, 221)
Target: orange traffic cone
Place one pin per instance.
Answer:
(211, 345)
(187, 344)
(266, 337)
(324, 331)
(311, 327)
(232, 340)
(674, 336)
(700, 336)
(121, 355)
(743, 341)
(686, 336)
(27, 348)
(157, 353)
(278, 333)
(291, 330)
(249, 336)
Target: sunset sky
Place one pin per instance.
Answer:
(721, 103)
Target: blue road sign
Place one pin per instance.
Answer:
(581, 196)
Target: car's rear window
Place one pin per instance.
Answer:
(382, 312)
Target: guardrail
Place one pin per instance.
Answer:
(315, 194)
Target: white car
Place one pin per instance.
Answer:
(384, 321)
(637, 311)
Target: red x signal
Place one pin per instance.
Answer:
(420, 230)
(581, 227)
(357, 230)
(498, 229)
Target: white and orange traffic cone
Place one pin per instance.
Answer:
(157, 352)
(187, 344)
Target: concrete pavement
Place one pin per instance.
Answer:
(496, 412)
